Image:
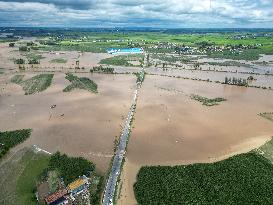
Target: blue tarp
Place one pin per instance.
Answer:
(124, 50)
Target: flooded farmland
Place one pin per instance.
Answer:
(170, 128)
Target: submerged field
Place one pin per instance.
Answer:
(71, 122)
(242, 179)
(170, 128)
(75, 97)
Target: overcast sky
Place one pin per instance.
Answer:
(140, 13)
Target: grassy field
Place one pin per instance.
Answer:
(26, 183)
(242, 179)
(17, 79)
(58, 60)
(33, 56)
(207, 101)
(80, 83)
(123, 60)
(19, 176)
(10, 139)
(35, 84)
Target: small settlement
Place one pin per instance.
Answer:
(67, 195)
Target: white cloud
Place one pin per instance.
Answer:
(171, 13)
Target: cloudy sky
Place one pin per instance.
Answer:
(138, 13)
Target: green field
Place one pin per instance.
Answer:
(19, 176)
(26, 183)
(33, 56)
(207, 101)
(58, 60)
(123, 60)
(251, 54)
(242, 179)
(152, 41)
(80, 83)
(17, 79)
(35, 84)
(10, 139)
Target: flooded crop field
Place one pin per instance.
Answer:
(170, 128)
(76, 125)
(191, 101)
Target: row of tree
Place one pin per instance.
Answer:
(21, 61)
(236, 81)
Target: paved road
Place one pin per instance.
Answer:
(110, 188)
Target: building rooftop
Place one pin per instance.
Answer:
(77, 183)
(55, 196)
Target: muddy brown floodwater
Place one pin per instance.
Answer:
(82, 124)
(172, 129)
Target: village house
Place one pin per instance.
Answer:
(78, 186)
(57, 198)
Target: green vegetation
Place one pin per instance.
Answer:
(26, 183)
(33, 56)
(251, 54)
(80, 83)
(70, 168)
(266, 150)
(267, 115)
(123, 60)
(248, 47)
(23, 48)
(236, 81)
(96, 189)
(35, 84)
(230, 63)
(19, 61)
(10, 139)
(53, 181)
(242, 179)
(140, 77)
(17, 79)
(58, 60)
(101, 69)
(1, 70)
(11, 44)
(207, 101)
(33, 61)
(116, 60)
(172, 58)
(19, 175)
